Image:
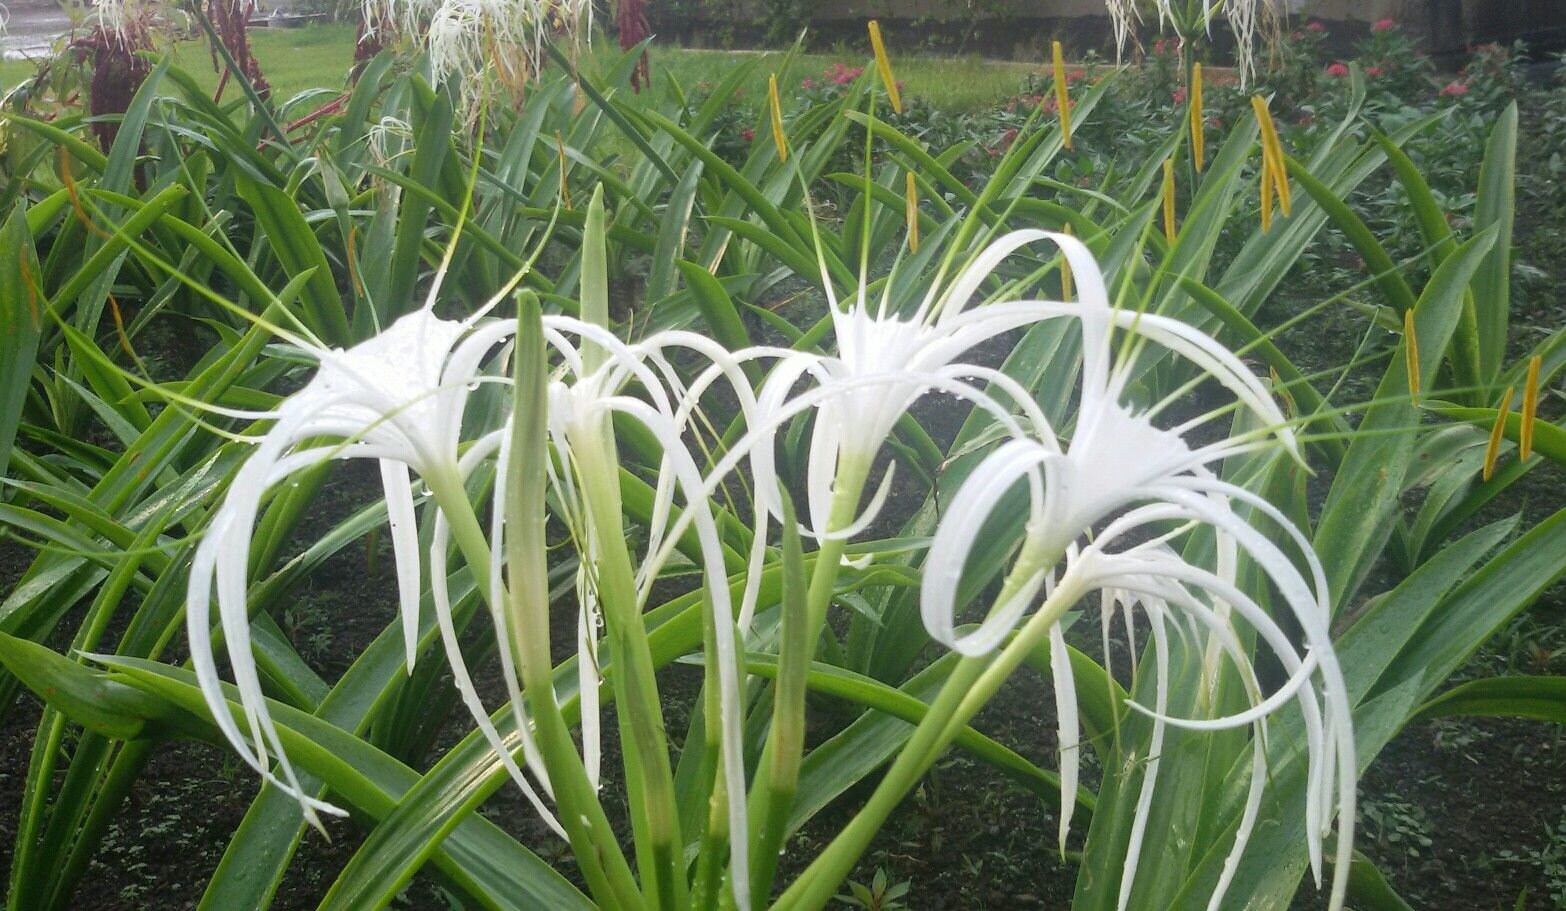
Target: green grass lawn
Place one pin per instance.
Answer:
(295, 60)
(292, 59)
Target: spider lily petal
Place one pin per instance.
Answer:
(381, 399)
(1120, 467)
(397, 397)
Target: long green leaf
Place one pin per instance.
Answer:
(1539, 698)
(1495, 208)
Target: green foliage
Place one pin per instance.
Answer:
(146, 284)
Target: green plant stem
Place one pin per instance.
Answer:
(973, 682)
(649, 775)
(777, 777)
(592, 840)
(598, 853)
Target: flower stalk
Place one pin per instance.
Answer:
(1062, 93)
(1492, 449)
(1411, 355)
(592, 840)
(1198, 120)
(775, 107)
(1530, 409)
(1169, 201)
(883, 66)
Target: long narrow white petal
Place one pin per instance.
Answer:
(1068, 728)
(405, 548)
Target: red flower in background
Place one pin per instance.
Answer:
(1179, 95)
(1316, 27)
(1454, 89)
(1373, 71)
(838, 74)
(748, 134)
(1337, 70)
(1383, 25)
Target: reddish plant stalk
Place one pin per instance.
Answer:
(630, 19)
(231, 21)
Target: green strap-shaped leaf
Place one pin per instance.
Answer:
(1549, 440)
(79, 692)
(1539, 698)
(298, 250)
(1369, 890)
(21, 322)
(1365, 500)
(1496, 206)
(481, 858)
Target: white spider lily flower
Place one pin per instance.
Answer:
(1121, 468)
(1245, 17)
(467, 39)
(397, 397)
(885, 361)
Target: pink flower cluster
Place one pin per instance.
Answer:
(838, 74)
(1338, 70)
(1316, 27)
(1454, 89)
(1383, 25)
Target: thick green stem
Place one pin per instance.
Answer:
(973, 682)
(598, 853)
(777, 778)
(592, 839)
(649, 776)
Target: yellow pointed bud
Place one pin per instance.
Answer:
(1266, 193)
(1530, 409)
(911, 200)
(1493, 450)
(1062, 97)
(565, 187)
(1282, 390)
(1169, 201)
(883, 65)
(1411, 354)
(777, 117)
(1272, 152)
(1065, 269)
(1198, 120)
